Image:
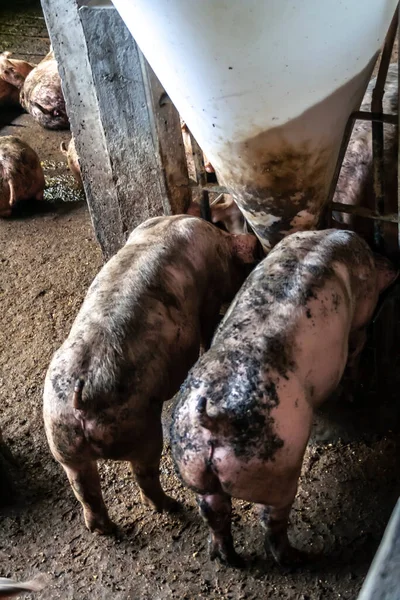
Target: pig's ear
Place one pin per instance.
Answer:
(246, 248)
(386, 272)
(11, 75)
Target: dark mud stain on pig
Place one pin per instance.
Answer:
(241, 401)
(69, 436)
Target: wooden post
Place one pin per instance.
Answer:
(127, 137)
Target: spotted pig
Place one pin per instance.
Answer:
(225, 212)
(9, 95)
(13, 70)
(130, 348)
(42, 96)
(243, 416)
(21, 174)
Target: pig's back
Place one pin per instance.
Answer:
(140, 316)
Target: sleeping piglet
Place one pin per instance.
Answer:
(13, 70)
(21, 174)
(42, 95)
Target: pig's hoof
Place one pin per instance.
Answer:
(172, 506)
(100, 526)
(227, 555)
(166, 504)
(291, 558)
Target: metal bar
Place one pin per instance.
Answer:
(201, 175)
(377, 129)
(205, 210)
(398, 150)
(326, 218)
(362, 211)
(359, 115)
(363, 115)
(210, 187)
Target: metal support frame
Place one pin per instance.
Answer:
(378, 118)
(377, 130)
(201, 176)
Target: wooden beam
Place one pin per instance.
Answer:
(129, 143)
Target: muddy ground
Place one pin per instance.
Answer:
(47, 260)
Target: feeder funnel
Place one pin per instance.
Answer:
(266, 87)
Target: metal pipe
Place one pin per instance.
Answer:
(201, 175)
(205, 210)
(362, 115)
(398, 150)
(362, 211)
(326, 216)
(377, 130)
(211, 187)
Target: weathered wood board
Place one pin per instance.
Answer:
(126, 130)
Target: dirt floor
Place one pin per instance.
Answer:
(47, 260)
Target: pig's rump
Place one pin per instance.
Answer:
(123, 387)
(246, 426)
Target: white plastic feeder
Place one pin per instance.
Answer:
(266, 87)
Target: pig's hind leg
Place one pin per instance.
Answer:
(85, 482)
(151, 492)
(274, 520)
(145, 467)
(216, 510)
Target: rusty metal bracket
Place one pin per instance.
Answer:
(201, 177)
(377, 129)
(378, 119)
(398, 151)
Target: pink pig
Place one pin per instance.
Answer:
(243, 417)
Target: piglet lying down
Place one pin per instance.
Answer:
(130, 348)
(243, 417)
(42, 96)
(21, 174)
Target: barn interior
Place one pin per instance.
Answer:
(49, 253)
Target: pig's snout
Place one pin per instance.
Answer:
(50, 112)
